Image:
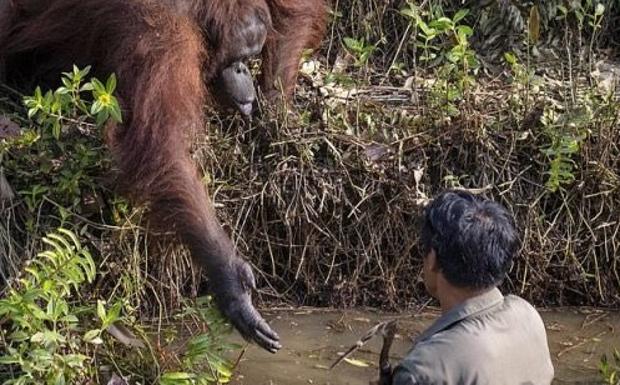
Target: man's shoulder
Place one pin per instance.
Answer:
(434, 359)
(470, 345)
(522, 308)
(421, 364)
(515, 300)
(444, 358)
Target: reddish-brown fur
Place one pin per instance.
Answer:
(164, 63)
(297, 25)
(159, 58)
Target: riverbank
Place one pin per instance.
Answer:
(313, 339)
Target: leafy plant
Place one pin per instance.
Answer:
(203, 360)
(566, 133)
(61, 157)
(47, 336)
(561, 164)
(361, 50)
(41, 340)
(459, 34)
(458, 61)
(586, 12)
(54, 108)
(522, 74)
(589, 16)
(610, 369)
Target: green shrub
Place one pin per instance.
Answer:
(43, 343)
(60, 159)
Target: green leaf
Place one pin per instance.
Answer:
(460, 15)
(96, 107)
(85, 71)
(101, 313)
(72, 236)
(61, 241)
(67, 83)
(60, 378)
(96, 341)
(19, 336)
(87, 87)
(442, 24)
(464, 30)
(58, 249)
(98, 87)
(70, 319)
(177, 378)
(87, 265)
(115, 112)
(9, 360)
(53, 337)
(352, 44)
(37, 311)
(34, 273)
(114, 313)
(409, 12)
(75, 360)
(102, 117)
(37, 337)
(56, 128)
(91, 335)
(579, 15)
(111, 84)
(32, 112)
(429, 32)
(563, 10)
(510, 58)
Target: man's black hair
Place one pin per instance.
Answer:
(474, 239)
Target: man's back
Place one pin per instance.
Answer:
(489, 339)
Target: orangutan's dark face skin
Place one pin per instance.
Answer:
(244, 41)
(236, 80)
(234, 77)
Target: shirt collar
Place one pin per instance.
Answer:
(463, 310)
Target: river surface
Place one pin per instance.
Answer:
(314, 338)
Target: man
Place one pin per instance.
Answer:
(481, 337)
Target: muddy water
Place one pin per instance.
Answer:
(313, 338)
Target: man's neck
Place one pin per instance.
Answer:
(451, 296)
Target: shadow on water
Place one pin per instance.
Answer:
(313, 338)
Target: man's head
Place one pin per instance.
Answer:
(468, 242)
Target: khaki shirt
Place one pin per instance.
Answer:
(489, 339)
